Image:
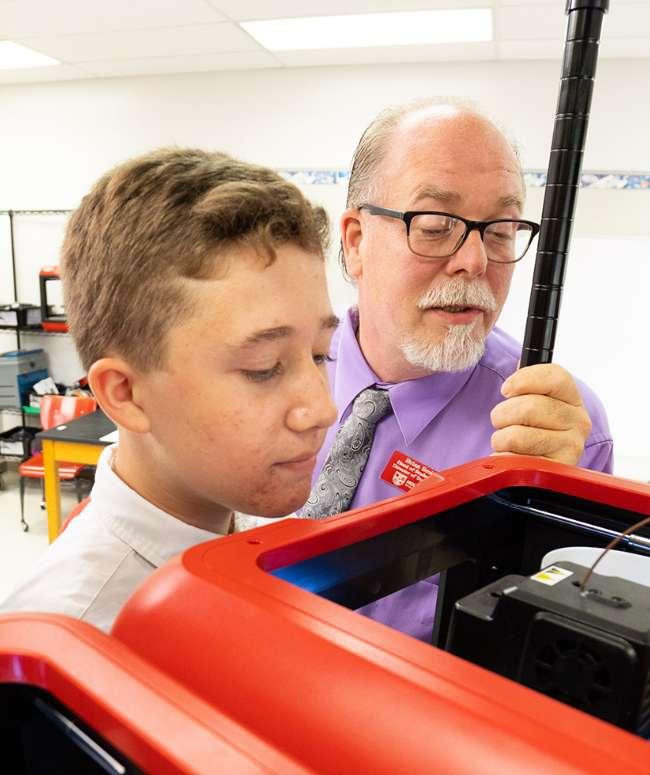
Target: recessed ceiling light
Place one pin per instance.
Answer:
(376, 29)
(14, 56)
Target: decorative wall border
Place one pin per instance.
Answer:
(617, 181)
(316, 177)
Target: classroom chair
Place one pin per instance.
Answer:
(55, 410)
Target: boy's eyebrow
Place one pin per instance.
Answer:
(280, 332)
(267, 335)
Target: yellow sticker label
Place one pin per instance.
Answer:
(551, 575)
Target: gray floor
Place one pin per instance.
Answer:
(20, 550)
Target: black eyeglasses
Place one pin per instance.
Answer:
(440, 235)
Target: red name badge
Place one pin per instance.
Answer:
(405, 472)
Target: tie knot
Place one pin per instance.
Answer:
(371, 405)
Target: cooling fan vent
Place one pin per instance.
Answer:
(577, 664)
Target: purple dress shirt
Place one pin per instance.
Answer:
(442, 420)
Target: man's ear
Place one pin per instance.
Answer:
(351, 236)
(117, 388)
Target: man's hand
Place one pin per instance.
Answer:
(542, 415)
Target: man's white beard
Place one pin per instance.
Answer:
(461, 347)
(459, 350)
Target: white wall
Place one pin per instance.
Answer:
(58, 138)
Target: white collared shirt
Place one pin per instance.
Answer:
(116, 542)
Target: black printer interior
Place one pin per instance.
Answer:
(588, 648)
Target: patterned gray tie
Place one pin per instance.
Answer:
(337, 482)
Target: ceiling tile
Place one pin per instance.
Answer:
(241, 60)
(559, 7)
(139, 44)
(134, 37)
(358, 56)
(248, 10)
(522, 19)
(22, 18)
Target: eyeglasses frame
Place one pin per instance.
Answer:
(470, 226)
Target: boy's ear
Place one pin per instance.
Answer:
(116, 386)
(351, 236)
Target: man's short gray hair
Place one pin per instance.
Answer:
(373, 144)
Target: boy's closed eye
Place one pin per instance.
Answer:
(264, 375)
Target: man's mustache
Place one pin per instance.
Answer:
(459, 293)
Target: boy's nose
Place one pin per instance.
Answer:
(315, 407)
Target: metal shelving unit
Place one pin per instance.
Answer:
(21, 333)
(33, 331)
(11, 214)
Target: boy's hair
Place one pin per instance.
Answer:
(156, 220)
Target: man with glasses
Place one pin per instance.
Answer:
(421, 377)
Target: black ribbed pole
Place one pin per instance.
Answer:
(585, 18)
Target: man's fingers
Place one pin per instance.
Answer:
(543, 415)
(546, 379)
(564, 446)
(540, 411)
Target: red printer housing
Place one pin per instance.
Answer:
(341, 693)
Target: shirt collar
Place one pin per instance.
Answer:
(151, 532)
(415, 402)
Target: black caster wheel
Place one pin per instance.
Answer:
(25, 527)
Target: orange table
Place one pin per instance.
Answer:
(78, 441)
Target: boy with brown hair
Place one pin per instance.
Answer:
(195, 292)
